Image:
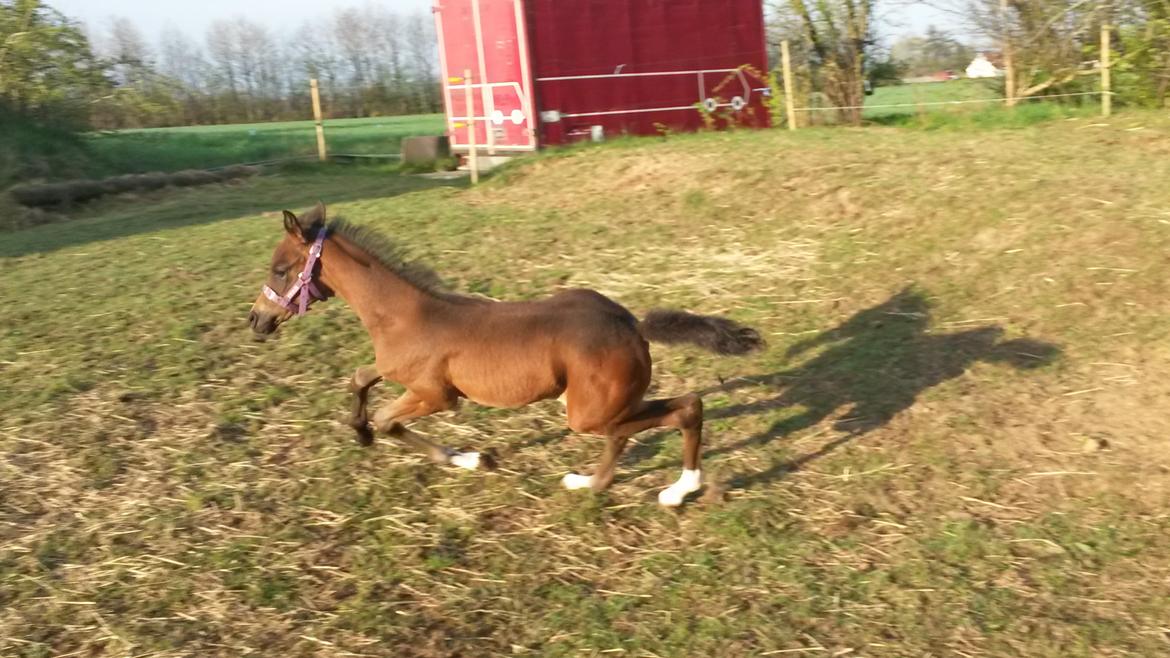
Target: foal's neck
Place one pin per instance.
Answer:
(381, 297)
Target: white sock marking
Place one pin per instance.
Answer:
(574, 481)
(689, 482)
(468, 460)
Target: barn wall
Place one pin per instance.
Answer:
(495, 54)
(574, 38)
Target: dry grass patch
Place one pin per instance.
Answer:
(953, 445)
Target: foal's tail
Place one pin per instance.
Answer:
(716, 334)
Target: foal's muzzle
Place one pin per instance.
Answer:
(262, 323)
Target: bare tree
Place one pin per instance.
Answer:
(368, 60)
(130, 58)
(935, 51)
(353, 34)
(423, 56)
(140, 92)
(181, 61)
(834, 38)
(1049, 41)
(222, 79)
(313, 55)
(256, 66)
(389, 82)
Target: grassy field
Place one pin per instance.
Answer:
(955, 444)
(966, 114)
(932, 92)
(28, 152)
(172, 149)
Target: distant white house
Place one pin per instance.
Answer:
(981, 67)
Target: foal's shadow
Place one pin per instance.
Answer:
(874, 365)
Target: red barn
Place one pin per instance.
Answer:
(557, 71)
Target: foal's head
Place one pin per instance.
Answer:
(293, 275)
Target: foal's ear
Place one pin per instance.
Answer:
(313, 219)
(307, 225)
(292, 225)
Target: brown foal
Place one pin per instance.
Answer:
(577, 345)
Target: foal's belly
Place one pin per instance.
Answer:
(505, 382)
(508, 394)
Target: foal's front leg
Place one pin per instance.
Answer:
(363, 380)
(389, 420)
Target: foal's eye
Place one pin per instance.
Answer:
(280, 271)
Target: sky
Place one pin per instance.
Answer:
(912, 18)
(153, 16)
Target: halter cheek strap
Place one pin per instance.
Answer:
(303, 290)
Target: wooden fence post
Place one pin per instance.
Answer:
(321, 154)
(1106, 83)
(1009, 69)
(789, 100)
(472, 156)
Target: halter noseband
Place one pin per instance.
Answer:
(304, 288)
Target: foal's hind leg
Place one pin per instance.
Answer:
(603, 476)
(688, 417)
(684, 413)
(363, 380)
(389, 420)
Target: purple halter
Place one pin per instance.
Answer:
(304, 288)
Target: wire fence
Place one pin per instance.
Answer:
(1001, 99)
(952, 101)
(1100, 68)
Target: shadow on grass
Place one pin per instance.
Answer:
(874, 366)
(292, 188)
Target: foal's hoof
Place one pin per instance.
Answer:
(671, 497)
(487, 461)
(471, 460)
(674, 495)
(365, 436)
(573, 481)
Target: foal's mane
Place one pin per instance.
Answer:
(389, 255)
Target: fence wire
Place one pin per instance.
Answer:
(829, 108)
